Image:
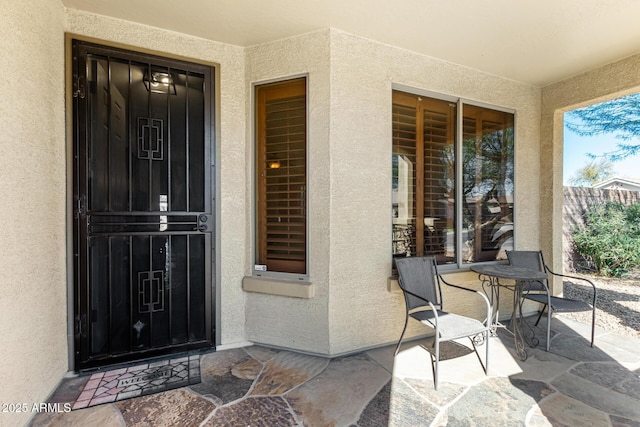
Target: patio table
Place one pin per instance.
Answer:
(490, 276)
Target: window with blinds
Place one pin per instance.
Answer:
(425, 206)
(488, 182)
(423, 177)
(281, 176)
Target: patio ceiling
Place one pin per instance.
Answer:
(537, 42)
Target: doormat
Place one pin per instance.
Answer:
(139, 380)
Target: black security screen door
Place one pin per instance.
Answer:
(143, 222)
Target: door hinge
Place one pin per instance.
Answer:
(79, 87)
(81, 325)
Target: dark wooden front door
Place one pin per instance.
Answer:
(143, 214)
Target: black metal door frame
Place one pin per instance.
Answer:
(129, 227)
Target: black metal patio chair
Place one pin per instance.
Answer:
(538, 290)
(421, 286)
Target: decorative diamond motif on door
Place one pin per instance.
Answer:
(150, 291)
(150, 138)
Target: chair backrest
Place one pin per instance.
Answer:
(419, 275)
(526, 259)
(532, 260)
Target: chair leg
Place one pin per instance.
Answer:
(485, 365)
(549, 315)
(540, 315)
(437, 357)
(548, 322)
(486, 358)
(593, 325)
(406, 322)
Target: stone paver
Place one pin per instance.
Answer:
(573, 385)
(340, 393)
(597, 396)
(255, 411)
(504, 402)
(260, 353)
(610, 375)
(103, 415)
(286, 371)
(445, 394)
(560, 410)
(407, 407)
(171, 408)
(396, 405)
(227, 376)
(623, 422)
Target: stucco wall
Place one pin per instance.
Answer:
(607, 82)
(233, 196)
(362, 312)
(351, 80)
(284, 321)
(33, 288)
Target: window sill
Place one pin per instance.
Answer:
(279, 287)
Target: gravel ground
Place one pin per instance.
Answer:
(618, 304)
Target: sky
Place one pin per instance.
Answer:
(577, 147)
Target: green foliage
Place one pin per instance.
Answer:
(611, 238)
(592, 173)
(619, 117)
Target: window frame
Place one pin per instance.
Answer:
(256, 214)
(460, 102)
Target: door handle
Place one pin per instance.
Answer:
(202, 223)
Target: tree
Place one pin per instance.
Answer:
(593, 172)
(619, 116)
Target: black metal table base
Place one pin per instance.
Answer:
(490, 275)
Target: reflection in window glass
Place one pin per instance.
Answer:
(487, 184)
(425, 205)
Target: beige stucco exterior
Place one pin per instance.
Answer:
(350, 84)
(33, 290)
(279, 320)
(346, 305)
(363, 72)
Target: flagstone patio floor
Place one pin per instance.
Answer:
(572, 385)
